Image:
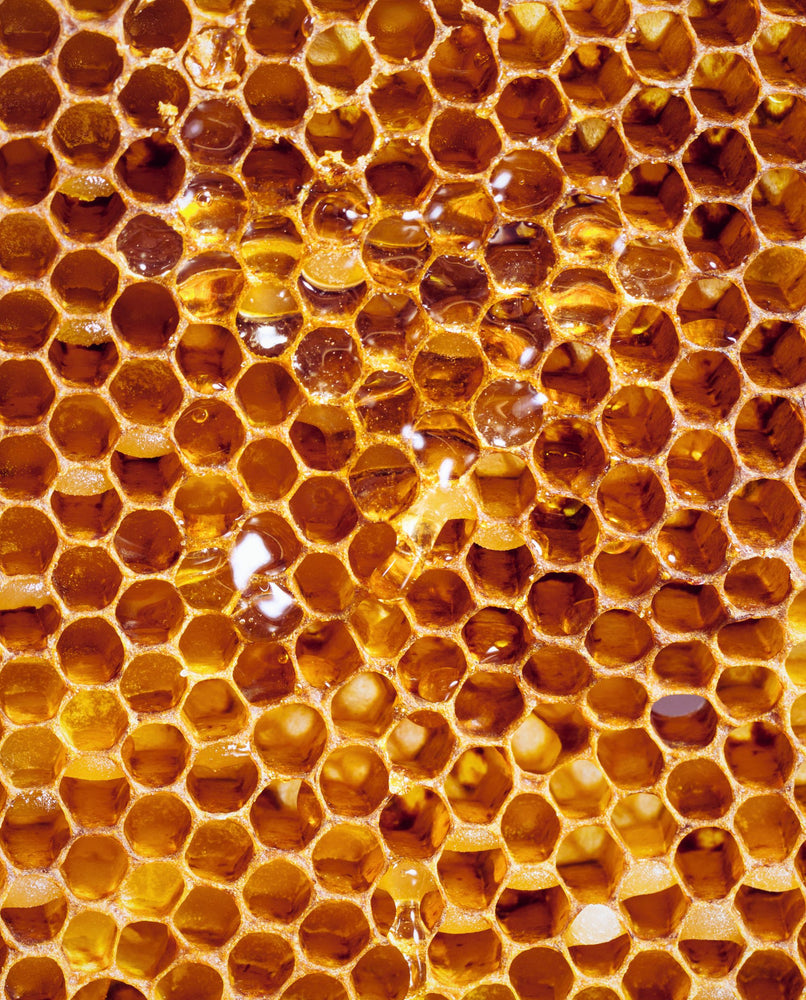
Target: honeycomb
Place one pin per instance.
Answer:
(403, 476)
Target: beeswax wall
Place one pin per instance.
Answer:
(402, 485)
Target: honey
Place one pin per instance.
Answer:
(402, 477)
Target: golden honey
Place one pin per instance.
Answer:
(402, 473)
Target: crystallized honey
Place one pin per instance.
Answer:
(402, 480)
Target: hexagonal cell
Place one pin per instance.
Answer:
(713, 311)
(334, 933)
(86, 578)
(347, 859)
(747, 689)
(90, 651)
(650, 267)
(208, 643)
(30, 691)
(663, 46)
(590, 863)
(207, 917)
(657, 121)
(85, 281)
(27, 170)
(33, 974)
(34, 830)
(353, 781)
(496, 635)
(597, 941)
(693, 541)
(32, 757)
(528, 912)
(28, 615)
(580, 789)
(87, 209)
(363, 706)
(286, 815)
(539, 972)
(402, 100)
(769, 969)
(683, 607)
(631, 498)
(87, 134)
(421, 744)
(464, 950)
(758, 753)
(34, 909)
(276, 170)
(593, 76)
(401, 31)
(718, 235)
(155, 754)
(463, 67)
(338, 58)
(754, 638)
(488, 703)
(89, 62)
(685, 719)
(478, 784)
(775, 280)
(618, 637)
(152, 682)
(461, 212)
(220, 850)
(291, 737)
(213, 710)
(618, 698)
(724, 23)
(630, 757)
(89, 940)
(28, 98)
(686, 663)
(145, 949)
(770, 907)
(150, 612)
(157, 825)
(27, 541)
(462, 143)
(644, 824)
(471, 877)
(93, 719)
(327, 986)
(658, 972)
(153, 888)
(278, 891)
(222, 778)
(575, 376)
(27, 249)
(698, 789)
(768, 827)
(719, 159)
(592, 148)
(190, 981)
(709, 862)
(260, 962)
(28, 29)
(27, 319)
(652, 900)
(531, 33)
(582, 300)
(415, 823)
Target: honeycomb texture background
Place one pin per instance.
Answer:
(402, 487)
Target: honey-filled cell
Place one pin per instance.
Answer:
(403, 464)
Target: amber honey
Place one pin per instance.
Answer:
(402, 473)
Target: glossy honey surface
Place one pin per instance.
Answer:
(402, 474)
